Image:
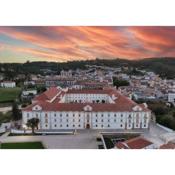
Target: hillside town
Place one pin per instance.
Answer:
(120, 108)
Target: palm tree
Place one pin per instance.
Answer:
(33, 123)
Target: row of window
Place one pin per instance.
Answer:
(102, 115)
(67, 115)
(46, 125)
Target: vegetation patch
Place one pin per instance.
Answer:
(22, 145)
(120, 82)
(165, 115)
(111, 139)
(5, 117)
(9, 94)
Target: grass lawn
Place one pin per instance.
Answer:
(9, 94)
(22, 145)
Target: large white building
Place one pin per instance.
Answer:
(82, 109)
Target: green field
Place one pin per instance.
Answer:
(22, 145)
(9, 94)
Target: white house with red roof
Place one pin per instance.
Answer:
(80, 109)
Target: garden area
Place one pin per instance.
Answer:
(22, 145)
(165, 115)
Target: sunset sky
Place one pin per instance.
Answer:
(19, 44)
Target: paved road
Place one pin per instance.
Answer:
(154, 134)
(5, 109)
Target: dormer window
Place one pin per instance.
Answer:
(88, 108)
(137, 108)
(37, 108)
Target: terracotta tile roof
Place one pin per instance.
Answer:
(169, 145)
(96, 107)
(8, 82)
(88, 91)
(135, 143)
(47, 95)
(122, 103)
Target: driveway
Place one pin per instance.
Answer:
(154, 134)
(5, 109)
(84, 140)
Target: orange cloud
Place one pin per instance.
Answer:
(67, 43)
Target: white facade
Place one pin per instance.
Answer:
(28, 92)
(8, 84)
(171, 97)
(88, 119)
(88, 98)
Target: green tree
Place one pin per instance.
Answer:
(16, 113)
(120, 82)
(33, 123)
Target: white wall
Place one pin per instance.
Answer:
(97, 120)
(171, 97)
(86, 98)
(8, 84)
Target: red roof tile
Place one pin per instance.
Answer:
(88, 91)
(47, 95)
(122, 103)
(169, 145)
(135, 143)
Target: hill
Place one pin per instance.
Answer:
(164, 66)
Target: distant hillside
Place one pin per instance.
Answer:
(165, 67)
